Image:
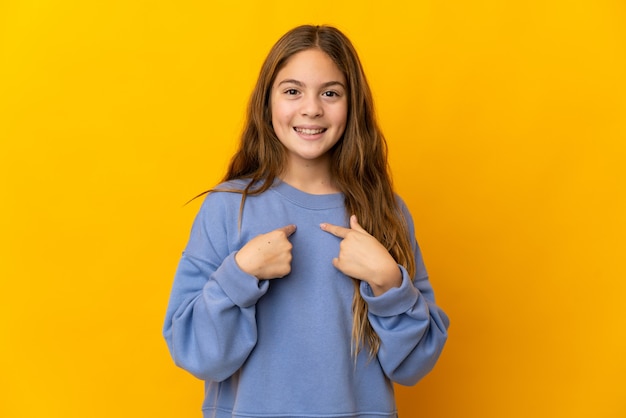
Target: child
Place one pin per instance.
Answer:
(302, 291)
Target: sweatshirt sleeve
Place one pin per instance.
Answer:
(411, 327)
(210, 324)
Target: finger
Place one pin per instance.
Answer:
(354, 224)
(336, 230)
(288, 230)
(341, 266)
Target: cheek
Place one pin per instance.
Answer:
(280, 114)
(342, 118)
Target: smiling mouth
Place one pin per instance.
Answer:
(307, 131)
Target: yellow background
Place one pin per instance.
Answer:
(506, 124)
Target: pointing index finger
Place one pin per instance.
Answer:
(288, 229)
(336, 230)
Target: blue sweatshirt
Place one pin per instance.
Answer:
(282, 347)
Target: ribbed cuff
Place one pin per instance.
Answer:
(394, 301)
(242, 288)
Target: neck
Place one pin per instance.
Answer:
(310, 177)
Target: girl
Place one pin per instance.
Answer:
(302, 291)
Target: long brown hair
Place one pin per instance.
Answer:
(358, 161)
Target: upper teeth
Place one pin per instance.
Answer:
(310, 131)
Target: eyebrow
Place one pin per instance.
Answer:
(301, 84)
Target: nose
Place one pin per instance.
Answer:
(312, 106)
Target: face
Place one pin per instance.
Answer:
(309, 106)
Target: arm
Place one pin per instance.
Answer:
(411, 327)
(210, 325)
(401, 309)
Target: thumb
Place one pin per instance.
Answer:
(354, 224)
(287, 229)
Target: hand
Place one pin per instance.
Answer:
(267, 256)
(363, 257)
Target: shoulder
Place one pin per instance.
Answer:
(402, 206)
(225, 193)
(404, 211)
(227, 198)
(232, 185)
(216, 222)
(221, 201)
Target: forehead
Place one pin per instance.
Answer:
(311, 66)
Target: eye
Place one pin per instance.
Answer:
(291, 92)
(330, 93)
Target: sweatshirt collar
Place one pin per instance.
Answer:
(307, 200)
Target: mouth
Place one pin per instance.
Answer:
(309, 131)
